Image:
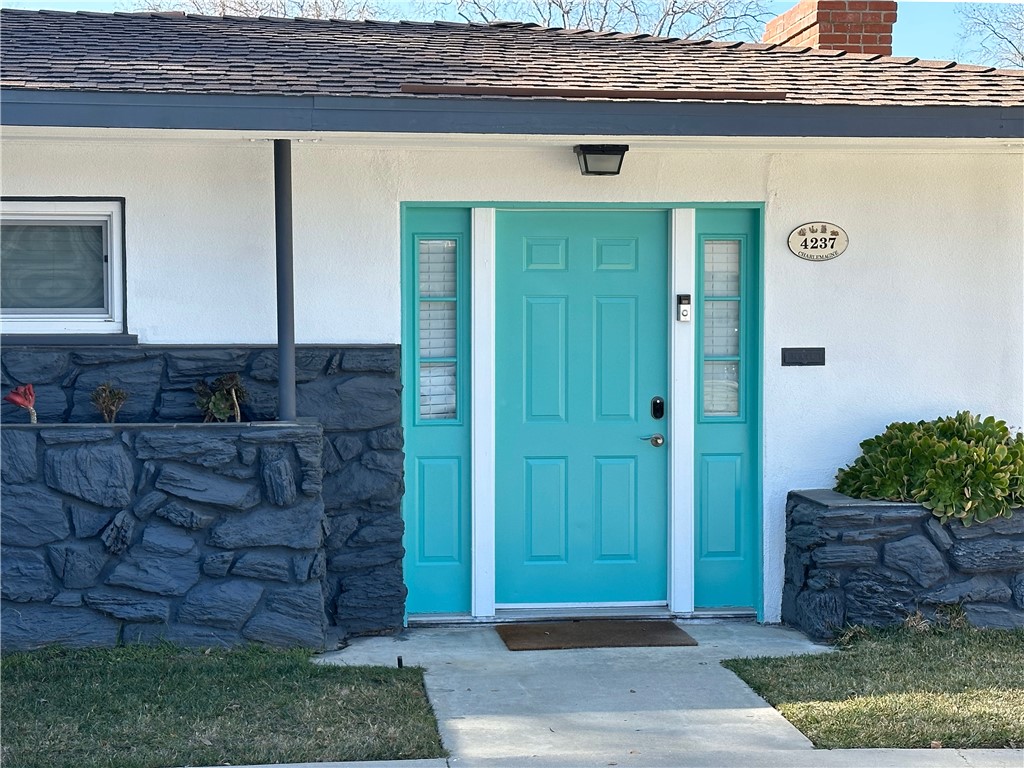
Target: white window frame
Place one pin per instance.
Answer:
(107, 212)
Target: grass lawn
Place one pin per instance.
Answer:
(901, 688)
(143, 707)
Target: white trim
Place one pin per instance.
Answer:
(107, 212)
(536, 606)
(482, 411)
(681, 413)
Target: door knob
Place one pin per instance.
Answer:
(656, 440)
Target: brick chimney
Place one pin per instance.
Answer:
(858, 26)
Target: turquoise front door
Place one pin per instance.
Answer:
(581, 348)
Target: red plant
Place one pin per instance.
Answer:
(23, 397)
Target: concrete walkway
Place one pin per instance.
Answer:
(618, 707)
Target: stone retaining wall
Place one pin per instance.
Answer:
(353, 392)
(856, 561)
(202, 535)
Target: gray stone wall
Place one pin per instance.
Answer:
(353, 392)
(197, 534)
(873, 563)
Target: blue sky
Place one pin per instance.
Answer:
(927, 30)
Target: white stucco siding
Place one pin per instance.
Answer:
(347, 218)
(922, 316)
(199, 228)
(347, 240)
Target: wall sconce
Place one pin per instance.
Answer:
(600, 159)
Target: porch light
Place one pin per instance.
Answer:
(600, 159)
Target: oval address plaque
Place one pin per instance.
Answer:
(818, 241)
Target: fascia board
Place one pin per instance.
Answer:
(276, 112)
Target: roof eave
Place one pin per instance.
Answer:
(460, 115)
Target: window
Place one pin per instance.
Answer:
(722, 313)
(61, 266)
(438, 339)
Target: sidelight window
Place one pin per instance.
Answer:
(438, 331)
(721, 328)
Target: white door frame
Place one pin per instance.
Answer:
(682, 413)
(682, 246)
(482, 410)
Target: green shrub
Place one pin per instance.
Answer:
(962, 467)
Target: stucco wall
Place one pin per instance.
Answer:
(920, 317)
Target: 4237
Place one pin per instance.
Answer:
(818, 242)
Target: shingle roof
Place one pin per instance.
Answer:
(174, 53)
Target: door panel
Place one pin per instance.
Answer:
(615, 373)
(581, 348)
(726, 433)
(720, 508)
(440, 513)
(546, 364)
(616, 507)
(546, 505)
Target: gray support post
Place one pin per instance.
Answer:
(285, 280)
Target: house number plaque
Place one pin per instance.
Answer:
(818, 241)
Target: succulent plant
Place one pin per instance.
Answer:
(23, 396)
(221, 399)
(962, 467)
(108, 400)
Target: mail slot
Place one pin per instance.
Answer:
(803, 355)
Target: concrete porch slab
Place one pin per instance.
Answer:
(604, 706)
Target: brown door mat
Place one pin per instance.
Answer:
(592, 633)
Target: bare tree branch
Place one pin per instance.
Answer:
(715, 19)
(313, 9)
(992, 34)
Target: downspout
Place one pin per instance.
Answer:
(285, 280)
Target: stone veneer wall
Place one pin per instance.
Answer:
(209, 535)
(856, 561)
(353, 392)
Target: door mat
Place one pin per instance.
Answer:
(592, 633)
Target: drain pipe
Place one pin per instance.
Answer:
(285, 280)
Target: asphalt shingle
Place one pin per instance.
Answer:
(166, 52)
